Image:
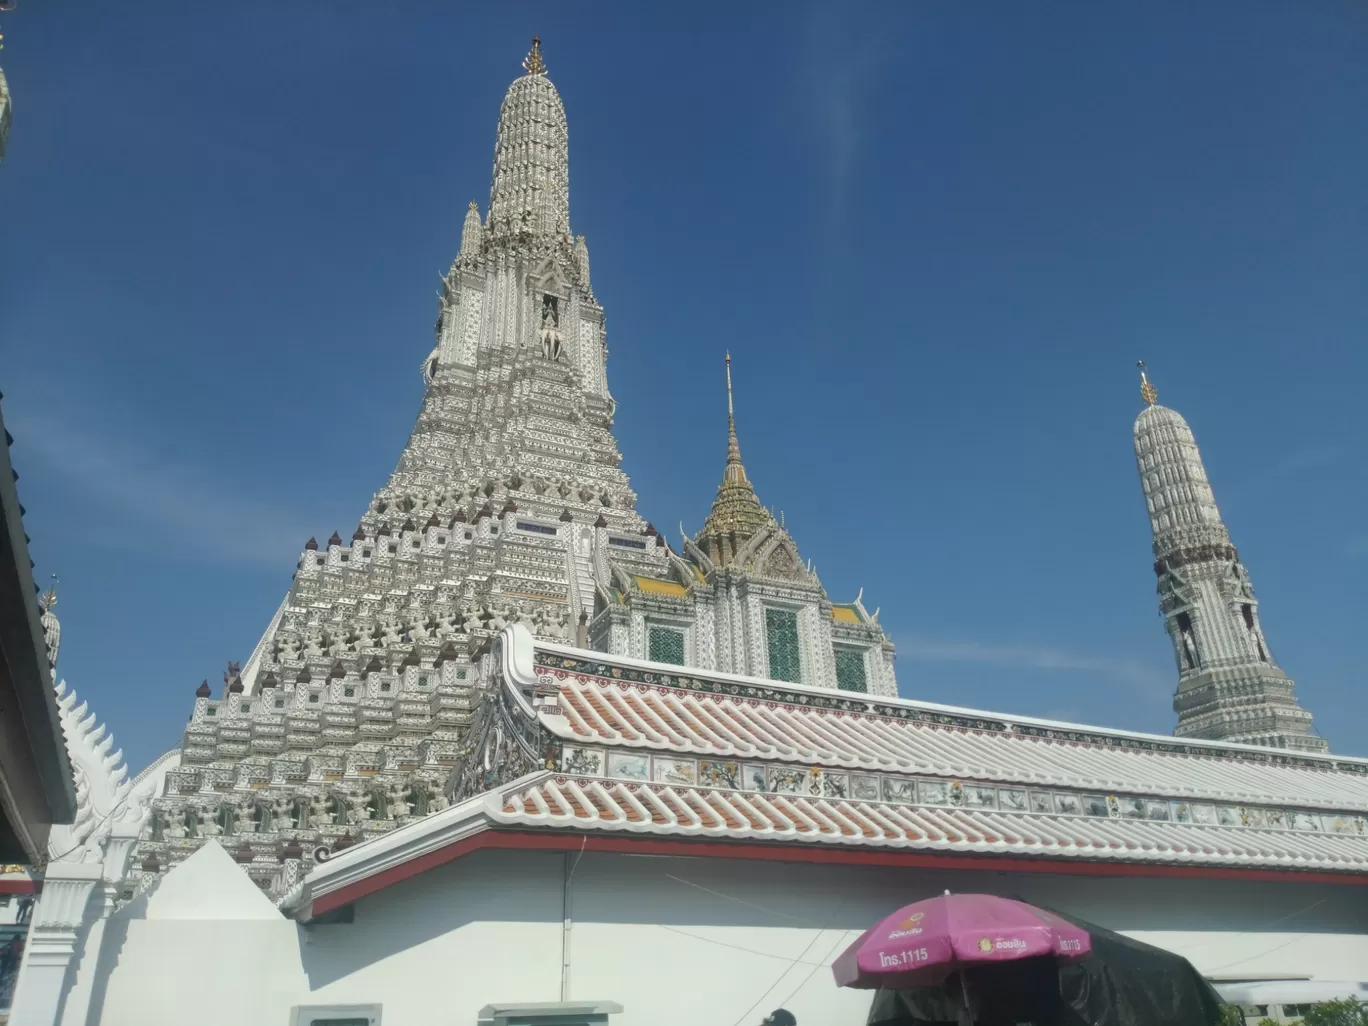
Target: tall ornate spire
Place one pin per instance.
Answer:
(582, 262)
(736, 513)
(1229, 687)
(531, 182)
(471, 234)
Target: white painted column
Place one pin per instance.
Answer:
(59, 918)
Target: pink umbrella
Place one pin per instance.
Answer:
(923, 943)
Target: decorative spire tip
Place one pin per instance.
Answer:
(1147, 391)
(729, 388)
(734, 469)
(533, 63)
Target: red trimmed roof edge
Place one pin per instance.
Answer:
(494, 838)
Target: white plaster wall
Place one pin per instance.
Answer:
(212, 973)
(674, 940)
(486, 928)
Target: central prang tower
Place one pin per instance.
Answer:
(1229, 687)
(509, 488)
(507, 505)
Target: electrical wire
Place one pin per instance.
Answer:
(741, 901)
(787, 969)
(1276, 947)
(817, 965)
(734, 947)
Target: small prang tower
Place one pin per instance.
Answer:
(1229, 687)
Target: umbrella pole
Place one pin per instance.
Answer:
(968, 1018)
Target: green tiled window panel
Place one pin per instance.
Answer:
(850, 670)
(666, 645)
(781, 640)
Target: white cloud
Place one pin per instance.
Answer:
(1308, 457)
(843, 65)
(148, 504)
(1035, 657)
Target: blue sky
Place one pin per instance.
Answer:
(935, 238)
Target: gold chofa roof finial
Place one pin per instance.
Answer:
(533, 63)
(1147, 391)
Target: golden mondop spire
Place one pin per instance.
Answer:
(1147, 391)
(533, 63)
(736, 513)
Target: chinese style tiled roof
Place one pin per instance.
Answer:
(569, 745)
(762, 721)
(599, 804)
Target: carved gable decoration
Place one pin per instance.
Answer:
(780, 562)
(550, 277)
(779, 559)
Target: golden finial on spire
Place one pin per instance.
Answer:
(1147, 391)
(50, 599)
(734, 468)
(730, 414)
(533, 63)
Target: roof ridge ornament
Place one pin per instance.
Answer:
(533, 63)
(1147, 391)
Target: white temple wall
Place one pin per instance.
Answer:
(210, 972)
(674, 940)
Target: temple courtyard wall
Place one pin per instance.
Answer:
(673, 940)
